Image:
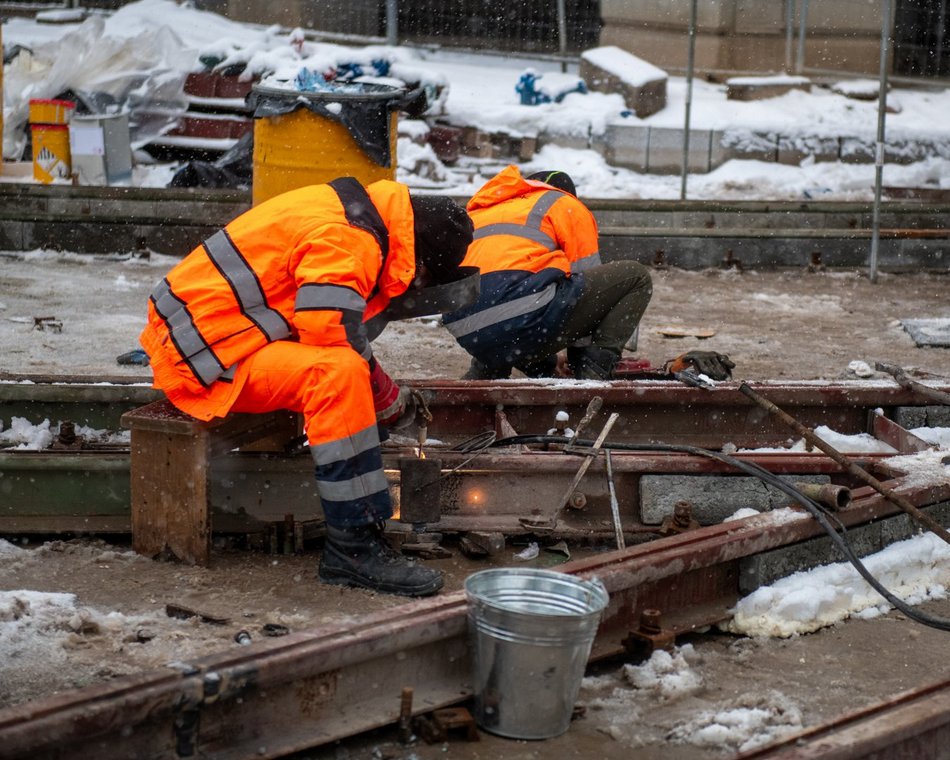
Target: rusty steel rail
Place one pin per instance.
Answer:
(307, 689)
(914, 724)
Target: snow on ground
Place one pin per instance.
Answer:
(481, 92)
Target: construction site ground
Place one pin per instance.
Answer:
(781, 325)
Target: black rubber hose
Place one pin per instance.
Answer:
(750, 468)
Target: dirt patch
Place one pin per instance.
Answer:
(787, 324)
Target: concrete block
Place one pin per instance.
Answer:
(762, 88)
(911, 417)
(855, 150)
(579, 139)
(905, 151)
(792, 150)
(744, 144)
(626, 144)
(665, 154)
(768, 567)
(713, 497)
(610, 69)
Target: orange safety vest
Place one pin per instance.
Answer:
(310, 265)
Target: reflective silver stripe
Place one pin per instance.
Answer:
(345, 448)
(245, 285)
(185, 336)
(541, 208)
(508, 310)
(588, 262)
(229, 373)
(354, 488)
(350, 304)
(317, 296)
(531, 229)
(518, 230)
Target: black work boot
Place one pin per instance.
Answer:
(592, 362)
(479, 371)
(361, 556)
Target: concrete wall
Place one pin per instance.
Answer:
(746, 35)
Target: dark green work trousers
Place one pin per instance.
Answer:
(611, 306)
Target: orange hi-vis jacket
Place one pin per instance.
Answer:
(532, 243)
(309, 265)
(274, 305)
(527, 225)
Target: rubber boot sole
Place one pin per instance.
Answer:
(343, 578)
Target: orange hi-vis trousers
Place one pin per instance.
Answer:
(330, 386)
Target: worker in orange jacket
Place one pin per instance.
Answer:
(277, 311)
(543, 286)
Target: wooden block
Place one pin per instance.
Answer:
(169, 490)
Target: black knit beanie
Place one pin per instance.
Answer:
(443, 233)
(558, 179)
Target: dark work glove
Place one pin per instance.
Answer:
(714, 366)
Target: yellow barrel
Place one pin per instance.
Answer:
(300, 148)
(51, 158)
(51, 111)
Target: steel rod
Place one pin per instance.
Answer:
(904, 381)
(614, 506)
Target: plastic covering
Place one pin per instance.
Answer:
(232, 169)
(143, 74)
(362, 108)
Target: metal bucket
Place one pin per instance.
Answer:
(531, 632)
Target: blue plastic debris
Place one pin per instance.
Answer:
(310, 81)
(527, 89)
(348, 71)
(532, 95)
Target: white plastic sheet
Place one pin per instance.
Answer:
(143, 74)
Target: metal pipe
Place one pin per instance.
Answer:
(562, 33)
(888, 493)
(690, 63)
(392, 22)
(789, 32)
(829, 495)
(879, 149)
(614, 506)
(802, 27)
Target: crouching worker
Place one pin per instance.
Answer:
(543, 286)
(277, 310)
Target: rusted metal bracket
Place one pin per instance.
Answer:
(650, 636)
(436, 726)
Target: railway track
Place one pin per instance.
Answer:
(307, 689)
